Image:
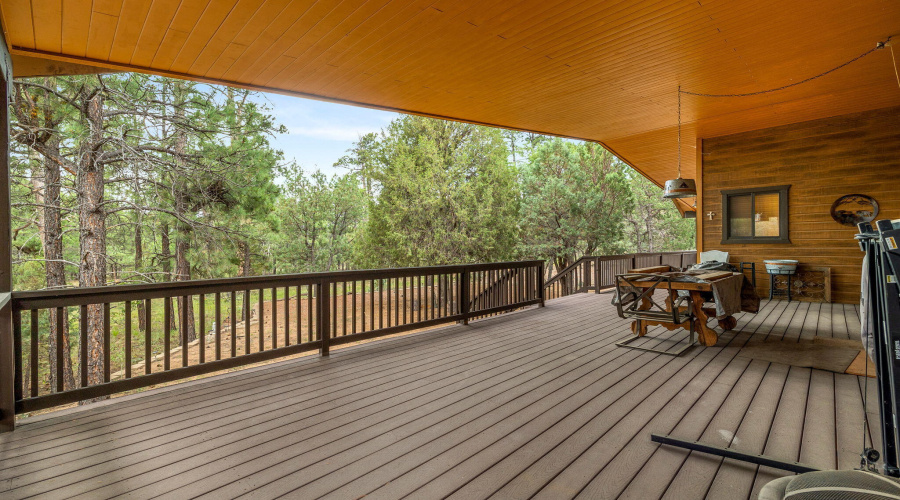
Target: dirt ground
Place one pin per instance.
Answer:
(385, 305)
(343, 320)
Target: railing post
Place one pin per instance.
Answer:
(596, 274)
(323, 319)
(7, 344)
(7, 370)
(540, 283)
(464, 295)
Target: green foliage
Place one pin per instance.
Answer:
(199, 159)
(574, 198)
(655, 225)
(445, 193)
(319, 220)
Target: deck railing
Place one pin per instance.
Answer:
(593, 273)
(237, 321)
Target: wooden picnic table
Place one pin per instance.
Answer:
(705, 334)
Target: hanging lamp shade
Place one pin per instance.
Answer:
(680, 188)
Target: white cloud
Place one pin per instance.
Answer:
(333, 132)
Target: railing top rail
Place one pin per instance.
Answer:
(566, 270)
(119, 293)
(607, 258)
(604, 258)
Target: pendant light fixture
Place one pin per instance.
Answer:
(680, 188)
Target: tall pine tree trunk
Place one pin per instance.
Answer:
(55, 268)
(183, 272)
(139, 268)
(166, 258)
(244, 250)
(92, 221)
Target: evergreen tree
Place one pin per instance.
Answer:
(319, 219)
(574, 199)
(654, 224)
(446, 194)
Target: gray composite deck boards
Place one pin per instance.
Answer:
(534, 404)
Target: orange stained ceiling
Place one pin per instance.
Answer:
(598, 70)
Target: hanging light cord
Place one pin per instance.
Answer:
(679, 131)
(894, 60)
(878, 46)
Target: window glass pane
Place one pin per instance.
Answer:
(766, 216)
(740, 216)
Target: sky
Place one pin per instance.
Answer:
(319, 133)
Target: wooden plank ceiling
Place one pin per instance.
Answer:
(603, 71)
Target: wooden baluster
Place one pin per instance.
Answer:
(387, 284)
(219, 326)
(362, 303)
(106, 342)
(274, 317)
(463, 294)
(344, 309)
(202, 333)
(380, 304)
(167, 321)
(309, 312)
(127, 339)
(332, 319)
(261, 334)
(185, 347)
(353, 322)
(299, 306)
(540, 283)
(405, 299)
(442, 295)
(233, 328)
(395, 298)
(148, 352)
(287, 316)
(18, 377)
(419, 298)
(246, 307)
(60, 379)
(83, 346)
(323, 318)
(34, 347)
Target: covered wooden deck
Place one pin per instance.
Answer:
(538, 403)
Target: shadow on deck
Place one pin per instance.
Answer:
(538, 403)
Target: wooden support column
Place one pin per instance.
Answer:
(542, 293)
(701, 214)
(463, 295)
(323, 317)
(7, 359)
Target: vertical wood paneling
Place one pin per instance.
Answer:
(822, 160)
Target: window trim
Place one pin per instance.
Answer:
(783, 225)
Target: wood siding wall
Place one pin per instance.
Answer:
(821, 160)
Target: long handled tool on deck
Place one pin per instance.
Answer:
(881, 321)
